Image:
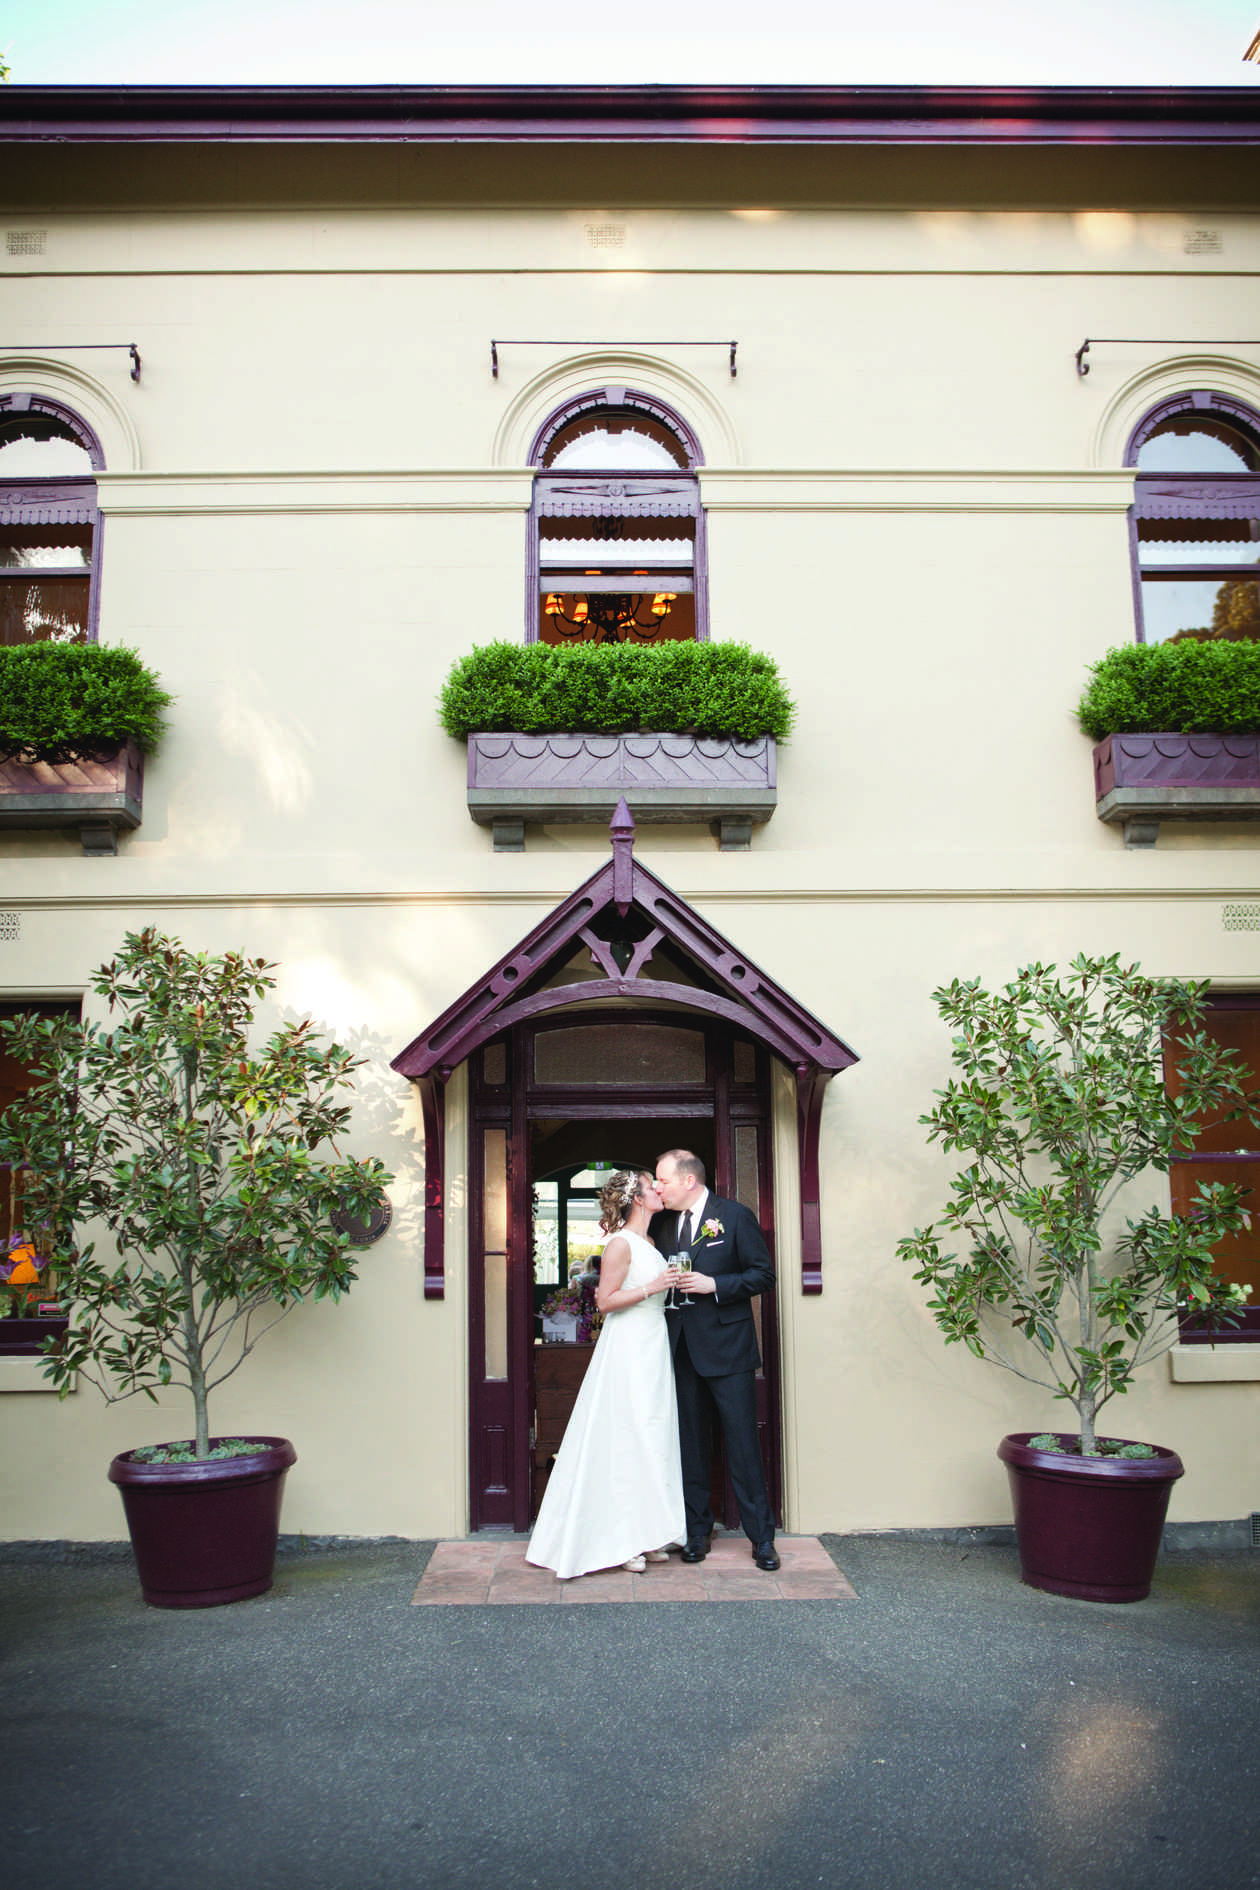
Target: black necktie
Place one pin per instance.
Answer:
(684, 1230)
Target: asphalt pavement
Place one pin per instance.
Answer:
(948, 1728)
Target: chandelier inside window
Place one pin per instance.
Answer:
(608, 616)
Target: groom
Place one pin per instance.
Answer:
(714, 1345)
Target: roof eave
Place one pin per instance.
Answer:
(808, 115)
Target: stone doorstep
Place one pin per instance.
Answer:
(491, 1571)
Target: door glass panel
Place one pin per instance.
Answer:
(494, 1064)
(636, 1053)
(546, 1234)
(748, 1193)
(746, 1189)
(495, 1222)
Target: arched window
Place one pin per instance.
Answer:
(49, 531)
(616, 529)
(1195, 522)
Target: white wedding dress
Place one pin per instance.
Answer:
(616, 1487)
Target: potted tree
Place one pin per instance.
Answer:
(1070, 1090)
(76, 722)
(683, 731)
(212, 1165)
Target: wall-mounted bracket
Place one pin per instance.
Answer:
(1155, 341)
(76, 347)
(732, 346)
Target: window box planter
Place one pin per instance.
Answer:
(24, 1337)
(100, 797)
(517, 780)
(1141, 780)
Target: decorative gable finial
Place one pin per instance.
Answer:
(621, 827)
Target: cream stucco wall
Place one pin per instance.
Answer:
(316, 497)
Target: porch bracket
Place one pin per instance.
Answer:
(811, 1084)
(432, 1089)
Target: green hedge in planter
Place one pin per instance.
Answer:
(72, 701)
(1191, 687)
(588, 688)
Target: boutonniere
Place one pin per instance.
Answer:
(712, 1229)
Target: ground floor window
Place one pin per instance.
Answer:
(29, 1304)
(1229, 1152)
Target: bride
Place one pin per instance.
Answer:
(615, 1494)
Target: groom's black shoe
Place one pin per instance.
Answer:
(765, 1556)
(696, 1549)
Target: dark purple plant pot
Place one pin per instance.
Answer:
(1088, 1527)
(205, 1533)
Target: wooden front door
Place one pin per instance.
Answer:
(608, 1085)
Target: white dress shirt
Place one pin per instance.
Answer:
(696, 1211)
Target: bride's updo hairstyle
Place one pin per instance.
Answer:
(618, 1196)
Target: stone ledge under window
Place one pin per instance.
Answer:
(1141, 780)
(99, 798)
(516, 780)
(1215, 1364)
(19, 1373)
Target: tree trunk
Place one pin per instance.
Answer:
(197, 1383)
(188, 1269)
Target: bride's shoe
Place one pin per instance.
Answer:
(635, 1566)
(657, 1555)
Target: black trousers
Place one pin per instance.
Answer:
(735, 1399)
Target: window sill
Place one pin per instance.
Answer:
(515, 780)
(1215, 1365)
(26, 1374)
(1141, 780)
(100, 798)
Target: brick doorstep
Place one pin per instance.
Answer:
(493, 1572)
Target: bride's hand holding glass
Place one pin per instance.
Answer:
(665, 1282)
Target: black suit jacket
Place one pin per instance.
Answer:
(721, 1336)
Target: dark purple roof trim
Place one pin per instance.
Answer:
(905, 115)
(746, 995)
(508, 994)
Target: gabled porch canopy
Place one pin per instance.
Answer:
(623, 915)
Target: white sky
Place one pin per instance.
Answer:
(436, 42)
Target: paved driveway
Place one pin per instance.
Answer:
(948, 1728)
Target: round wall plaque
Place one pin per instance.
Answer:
(363, 1232)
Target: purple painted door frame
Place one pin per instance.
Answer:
(726, 1114)
(650, 952)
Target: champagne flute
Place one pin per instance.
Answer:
(683, 1262)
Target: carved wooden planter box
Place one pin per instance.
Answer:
(100, 798)
(518, 780)
(1140, 780)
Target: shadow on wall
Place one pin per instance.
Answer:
(385, 1121)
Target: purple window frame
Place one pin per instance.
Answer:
(19, 503)
(616, 400)
(1193, 488)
